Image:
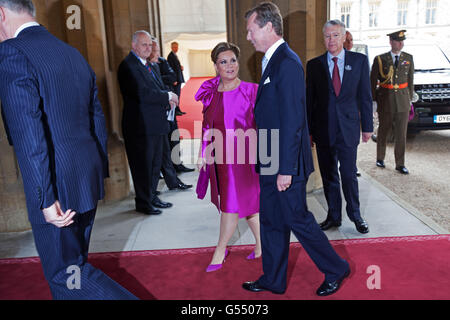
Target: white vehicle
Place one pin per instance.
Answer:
(431, 82)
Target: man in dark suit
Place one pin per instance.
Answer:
(175, 63)
(167, 168)
(169, 78)
(59, 135)
(144, 123)
(339, 106)
(280, 112)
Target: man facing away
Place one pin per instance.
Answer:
(392, 81)
(339, 103)
(280, 109)
(59, 135)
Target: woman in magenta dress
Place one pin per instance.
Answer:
(228, 152)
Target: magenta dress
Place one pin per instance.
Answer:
(231, 172)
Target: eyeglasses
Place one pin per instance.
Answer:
(334, 36)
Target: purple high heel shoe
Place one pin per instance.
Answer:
(215, 267)
(252, 256)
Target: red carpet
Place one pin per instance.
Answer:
(410, 268)
(192, 108)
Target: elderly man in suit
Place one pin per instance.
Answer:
(59, 135)
(339, 101)
(144, 123)
(280, 112)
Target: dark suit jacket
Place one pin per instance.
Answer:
(176, 66)
(167, 74)
(146, 100)
(281, 105)
(55, 121)
(354, 109)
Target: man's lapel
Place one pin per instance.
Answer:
(348, 69)
(324, 60)
(267, 72)
(145, 73)
(157, 73)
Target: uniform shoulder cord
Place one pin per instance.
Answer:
(389, 76)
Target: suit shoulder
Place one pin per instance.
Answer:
(356, 54)
(7, 47)
(313, 61)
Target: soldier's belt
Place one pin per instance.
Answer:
(394, 86)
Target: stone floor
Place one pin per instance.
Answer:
(193, 223)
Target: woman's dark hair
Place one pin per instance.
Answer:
(223, 47)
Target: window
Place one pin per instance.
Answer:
(345, 13)
(430, 17)
(373, 14)
(402, 12)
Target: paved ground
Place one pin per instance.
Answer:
(193, 223)
(427, 188)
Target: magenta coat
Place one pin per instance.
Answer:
(235, 109)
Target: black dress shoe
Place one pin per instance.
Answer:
(254, 286)
(328, 224)
(374, 138)
(358, 174)
(160, 204)
(362, 226)
(380, 164)
(402, 170)
(182, 186)
(182, 168)
(328, 288)
(149, 211)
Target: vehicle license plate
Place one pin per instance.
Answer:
(444, 118)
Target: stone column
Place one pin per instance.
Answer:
(104, 39)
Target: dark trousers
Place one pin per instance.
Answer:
(167, 168)
(62, 250)
(145, 158)
(174, 141)
(177, 91)
(329, 158)
(281, 213)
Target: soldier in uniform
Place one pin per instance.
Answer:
(392, 80)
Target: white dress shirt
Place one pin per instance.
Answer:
(272, 49)
(340, 63)
(393, 55)
(24, 26)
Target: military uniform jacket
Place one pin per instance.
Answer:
(392, 87)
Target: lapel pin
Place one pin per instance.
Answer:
(348, 68)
